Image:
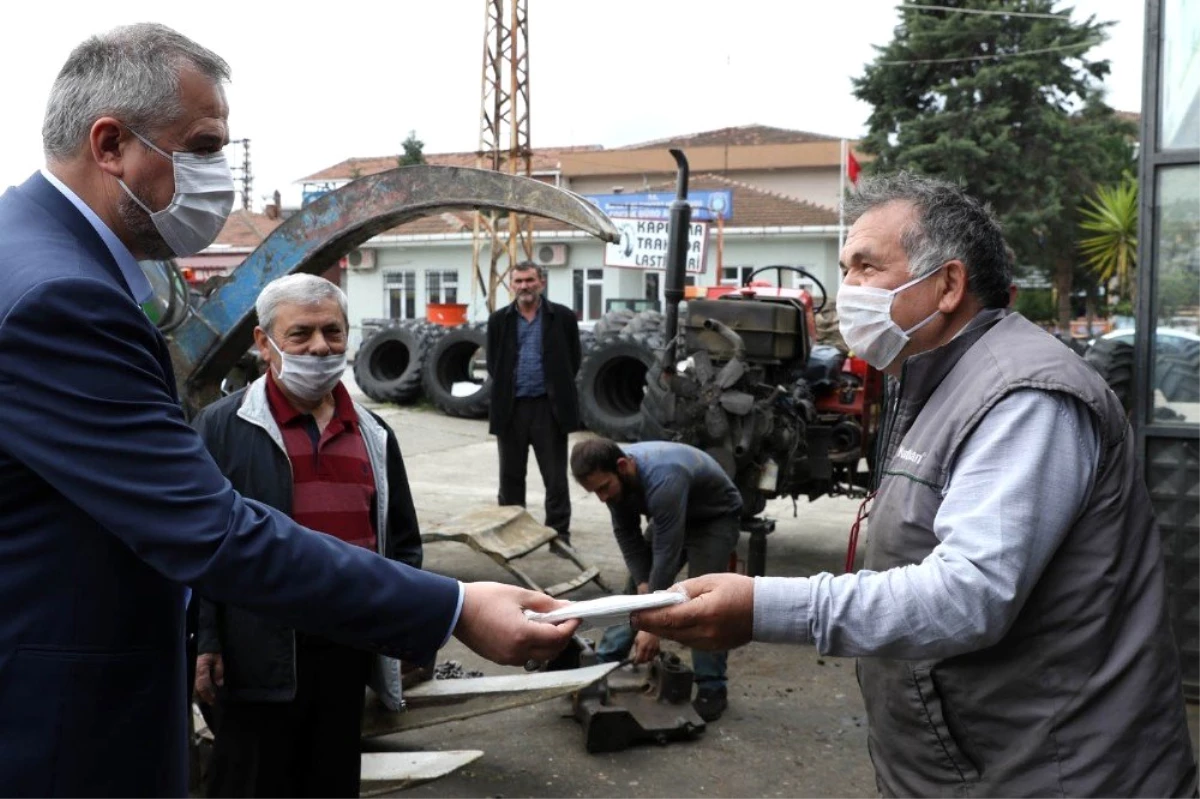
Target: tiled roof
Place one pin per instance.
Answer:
(246, 229)
(740, 136)
(752, 207)
(758, 207)
(544, 160)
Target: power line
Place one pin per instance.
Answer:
(995, 56)
(984, 11)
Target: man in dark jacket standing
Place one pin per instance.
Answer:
(533, 357)
(291, 703)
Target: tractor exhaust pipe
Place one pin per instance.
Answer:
(677, 250)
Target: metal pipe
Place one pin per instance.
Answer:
(677, 249)
(726, 332)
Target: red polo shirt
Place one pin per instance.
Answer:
(333, 486)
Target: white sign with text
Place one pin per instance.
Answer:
(643, 245)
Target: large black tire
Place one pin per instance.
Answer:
(645, 322)
(1113, 359)
(1178, 377)
(828, 331)
(611, 383)
(1075, 345)
(587, 340)
(388, 365)
(245, 371)
(612, 323)
(459, 357)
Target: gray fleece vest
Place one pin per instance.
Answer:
(1081, 697)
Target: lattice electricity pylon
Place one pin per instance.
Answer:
(503, 142)
(243, 172)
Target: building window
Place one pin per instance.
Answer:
(735, 275)
(400, 294)
(587, 295)
(441, 287)
(653, 286)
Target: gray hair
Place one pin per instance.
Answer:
(950, 224)
(525, 266)
(299, 289)
(131, 73)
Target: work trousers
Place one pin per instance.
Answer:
(533, 424)
(307, 747)
(706, 550)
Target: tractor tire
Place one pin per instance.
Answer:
(587, 342)
(1113, 359)
(372, 326)
(458, 358)
(612, 323)
(247, 369)
(658, 405)
(611, 384)
(388, 365)
(1075, 345)
(1178, 377)
(645, 322)
(828, 331)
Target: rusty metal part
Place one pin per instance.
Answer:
(218, 332)
(616, 715)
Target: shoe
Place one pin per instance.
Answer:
(710, 703)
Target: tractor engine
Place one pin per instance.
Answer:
(746, 385)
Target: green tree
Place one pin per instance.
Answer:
(1109, 226)
(1008, 106)
(414, 151)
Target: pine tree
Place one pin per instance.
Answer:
(1008, 106)
(413, 151)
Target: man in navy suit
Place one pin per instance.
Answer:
(109, 503)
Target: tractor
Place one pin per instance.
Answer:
(742, 379)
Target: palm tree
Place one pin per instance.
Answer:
(1109, 244)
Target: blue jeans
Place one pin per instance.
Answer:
(709, 667)
(706, 551)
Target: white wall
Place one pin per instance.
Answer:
(366, 296)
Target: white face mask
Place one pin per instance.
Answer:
(203, 198)
(865, 319)
(309, 377)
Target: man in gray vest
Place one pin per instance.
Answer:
(1011, 622)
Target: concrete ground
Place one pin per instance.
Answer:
(775, 692)
(795, 724)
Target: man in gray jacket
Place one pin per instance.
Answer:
(1011, 622)
(290, 703)
(693, 510)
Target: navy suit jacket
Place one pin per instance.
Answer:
(109, 505)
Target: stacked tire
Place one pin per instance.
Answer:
(454, 374)
(1113, 359)
(389, 364)
(612, 379)
(1176, 374)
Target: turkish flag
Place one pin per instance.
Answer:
(852, 167)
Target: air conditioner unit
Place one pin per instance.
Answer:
(361, 260)
(550, 254)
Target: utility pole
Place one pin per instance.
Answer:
(247, 176)
(503, 142)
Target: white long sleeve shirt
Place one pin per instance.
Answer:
(1017, 486)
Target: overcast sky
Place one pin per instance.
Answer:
(314, 84)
